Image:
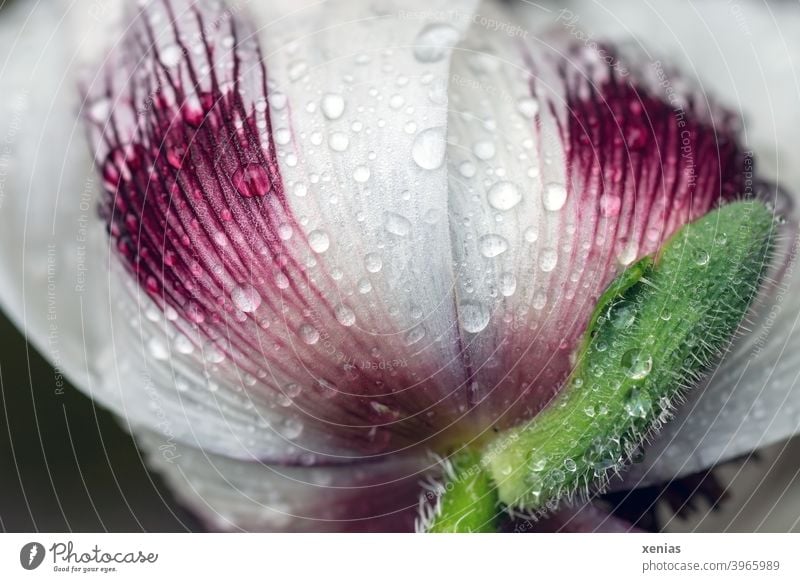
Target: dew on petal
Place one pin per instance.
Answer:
(492, 245)
(484, 150)
(474, 316)
(504, 195)
(332, 105)
(610, 205)
(338, 141)
(246, 298)
(291, 428)
(554, 196)
(467, 169)
(396, 224)
(212, 353)
(508, 284)
(434, 41)
(429, 148)
(528, 107)
(285, 231)
(361, 174)
(344, 315)
(158, 349)
(251, 180)
(319, 241)
(373, 262)
(548, 259)
(171, 55)
(309, 334)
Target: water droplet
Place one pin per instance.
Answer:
(610, 205)
(297, 70)
(508, 284)
(539, 465)
(309, 334)
(364, 286)
(701, 258)
(531, 234)
(158, 349)
(528, 107)
(396, 224)
(474, 316)
(319, 241)
(344, 315)
(373, 262)
(291, 428)
(628, 254)
(492, 245)
(434, 41)
(467, 169)
(100, 110)
(548, 259)
(251, 180)
(666, 315)
(183, 344)
(623, 315)
(171, 55)
(361, 174)
(638, 405)
(539, 300)
(332, 105)
(484, 150)
(212, 353)
(282, 281)
(429, 148)
(246, 298)
(285, 231)
(554, 196)
(637, 364)
(338, 141)
(504, 195)
(433, 215)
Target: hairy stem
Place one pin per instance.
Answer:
(659, 325)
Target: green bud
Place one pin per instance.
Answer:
(653, 332)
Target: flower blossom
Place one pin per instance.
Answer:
(309, 248)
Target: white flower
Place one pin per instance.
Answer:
(336, 236)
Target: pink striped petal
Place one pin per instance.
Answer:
(270, 196)
(567, 164)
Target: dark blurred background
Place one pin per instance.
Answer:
(65, 464)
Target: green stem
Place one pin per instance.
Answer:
(467, 500)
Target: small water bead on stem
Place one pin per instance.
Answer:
(657, 326)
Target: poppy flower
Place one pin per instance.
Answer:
(311, 249)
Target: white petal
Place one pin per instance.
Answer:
(236, 495)
(49, 283)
